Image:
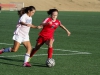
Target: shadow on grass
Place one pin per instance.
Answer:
(9, 59)
(10, 64)
(16, 60)
(39, 65)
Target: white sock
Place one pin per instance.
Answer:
(26, 58)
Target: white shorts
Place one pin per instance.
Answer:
(20, 39)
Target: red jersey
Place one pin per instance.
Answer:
(48, 29)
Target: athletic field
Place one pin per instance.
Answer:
(78, 54)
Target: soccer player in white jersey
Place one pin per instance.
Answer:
(21, 34)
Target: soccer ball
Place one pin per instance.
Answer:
(50, 62)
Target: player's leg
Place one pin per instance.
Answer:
(28, 47)
(15, 46)
(50, 48)
(40, 42)
(37, 47)
(9, 49)
(17, 41)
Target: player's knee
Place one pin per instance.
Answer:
(50, 46)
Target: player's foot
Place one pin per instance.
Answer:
(27, 64)
(29, 59)
(1, 51)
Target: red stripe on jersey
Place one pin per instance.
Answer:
(45, 20)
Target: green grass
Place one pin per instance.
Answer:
(85, 37)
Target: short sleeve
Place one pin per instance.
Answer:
(46, 20)
(22, 19)
(59, 23)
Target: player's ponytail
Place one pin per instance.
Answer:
(25, 10)
(50, 11)
(30, 8)
(22, 11)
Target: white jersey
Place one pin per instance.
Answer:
(22, 30)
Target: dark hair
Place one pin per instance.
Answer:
(30, 8)
(51, 11)
(21, 12)
(25, 10)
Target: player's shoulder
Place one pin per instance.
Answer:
(48, 18)
(23, 16)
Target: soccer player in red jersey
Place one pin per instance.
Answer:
(48, 26)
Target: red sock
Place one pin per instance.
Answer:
(50, 52)
(33, 52)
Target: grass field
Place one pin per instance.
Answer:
(78, 54)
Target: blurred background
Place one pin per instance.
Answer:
(62, 5)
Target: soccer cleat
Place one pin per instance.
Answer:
(1, 51)
(27, 64)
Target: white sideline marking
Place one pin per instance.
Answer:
(46, 54)
(72, 52)
(7, 44)
(44, 48)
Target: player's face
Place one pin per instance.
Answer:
(54, 15)
(31, 13)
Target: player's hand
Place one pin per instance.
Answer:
(39, 27)
(50, 22)
(69, 33)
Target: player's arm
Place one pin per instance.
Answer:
(33, 26)
(42, 24)
(25, 24)
(29, 25)
(38, 27)
(45, 22)
(63, 27)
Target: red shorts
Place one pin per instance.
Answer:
(43, 39)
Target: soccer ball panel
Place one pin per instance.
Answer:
(50, 62)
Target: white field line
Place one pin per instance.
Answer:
(53, 54)
(46, 48)
(72, 52)
(7, 44)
